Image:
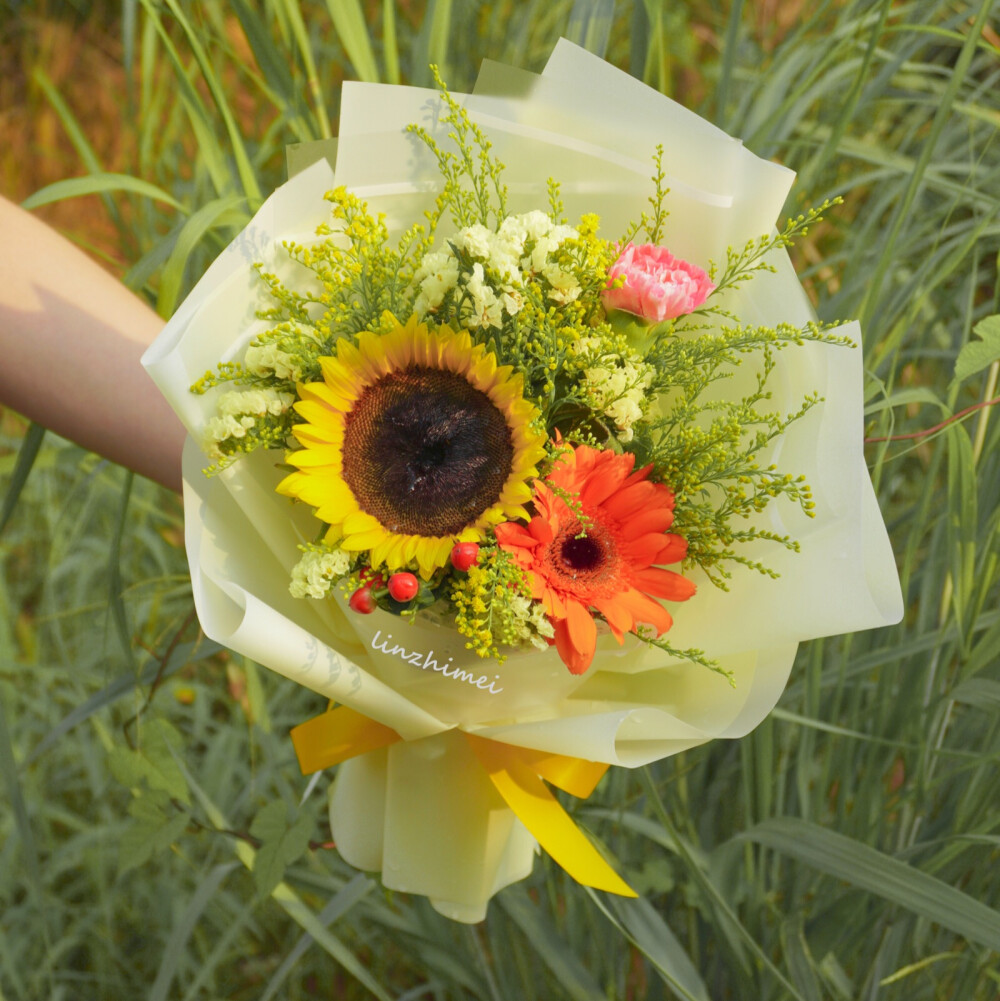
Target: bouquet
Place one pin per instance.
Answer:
(514, 435)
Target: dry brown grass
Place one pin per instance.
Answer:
(84, 62)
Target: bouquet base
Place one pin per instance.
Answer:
(425, 814)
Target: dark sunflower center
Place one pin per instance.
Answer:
(425, 452)
(583, 554)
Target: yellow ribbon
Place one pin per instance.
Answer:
(516, 773)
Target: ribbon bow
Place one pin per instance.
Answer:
(516, 772)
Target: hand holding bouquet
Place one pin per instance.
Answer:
(576, 467)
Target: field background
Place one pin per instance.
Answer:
(847, 849)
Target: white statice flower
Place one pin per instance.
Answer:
(268, 359)
(545, 245)
(512, 301)
(477, 240)
(317, 572)
(504, 260)
(436, 276)
(513, 233)
(238, 411)
(538, 259)
(535, 224)
(565, 287)
(220, 429)
(542, 626)
(519, 249)
(486, 307)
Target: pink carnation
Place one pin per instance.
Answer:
(657, 286)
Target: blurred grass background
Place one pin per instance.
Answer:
(847, 849)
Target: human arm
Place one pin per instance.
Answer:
(71, 336)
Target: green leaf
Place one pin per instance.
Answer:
(281, 844)
(904, 397)
(152, 832)
(860, 865)
(977, 355)
(153, 761)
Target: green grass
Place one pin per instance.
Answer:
(847, 849)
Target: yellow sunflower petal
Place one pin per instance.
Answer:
(360, 521)
(360, 541)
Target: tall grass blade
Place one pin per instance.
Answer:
(653, 937)
(248, 177)
(189, 237)
(11, 779)
(729, 923)
(116, 601)
(342, 901)
(76, 137)
(173, 954)
(859, 864)
(390, 44)
(431, 44)
(95, 184)
(26, 456)
(590, 24)
(727, 63)
(304, 47)
(349, 21)
(572, 975)
(942, 115)
(125, 684)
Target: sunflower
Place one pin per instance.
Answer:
(414, 440)
(598, 552)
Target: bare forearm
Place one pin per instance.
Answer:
(70, 341)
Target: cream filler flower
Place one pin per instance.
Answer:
(238, 411)
(503, 263)
(317, 571)
(415, 440)
(617, 388)
(267, 359)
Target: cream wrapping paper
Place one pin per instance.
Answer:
(422, 811)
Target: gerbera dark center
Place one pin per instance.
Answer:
(583, 554)
(425, 452)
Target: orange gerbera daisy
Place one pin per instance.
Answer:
(611, 568)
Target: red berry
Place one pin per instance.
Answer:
(403, 586)
(464, 555)
(362, 601)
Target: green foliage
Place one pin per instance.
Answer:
(281, 844)
(154, 763)
(474, 192)
(154, 831)
(846, 849)
(979, 354)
